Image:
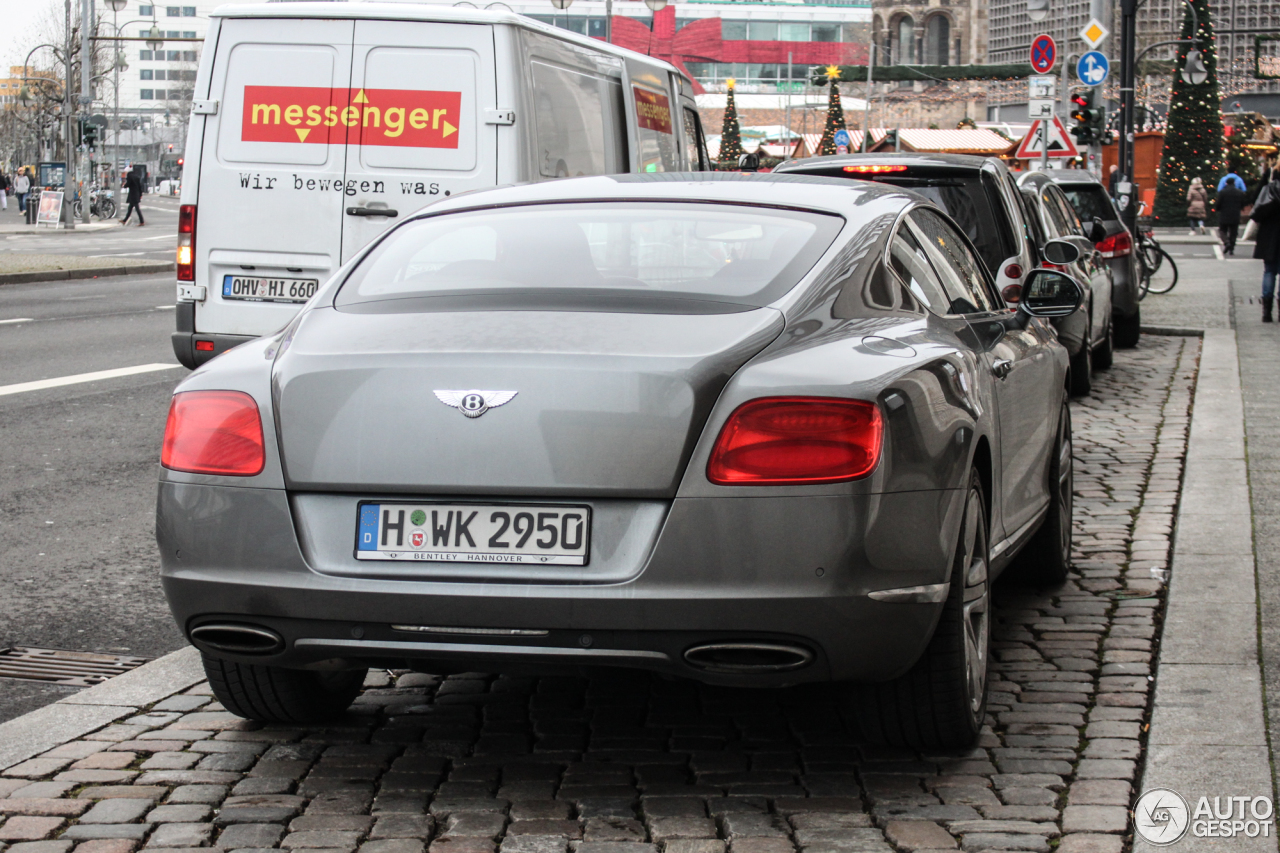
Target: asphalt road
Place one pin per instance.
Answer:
(153, 241)
(78, 562)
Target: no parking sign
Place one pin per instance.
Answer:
(1044, 53)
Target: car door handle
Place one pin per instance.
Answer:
(1001, 367)
(372, 211)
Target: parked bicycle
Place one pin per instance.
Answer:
(102, 203)
(1158, 273)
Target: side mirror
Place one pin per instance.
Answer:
(1061, 252)
(1097, 230)
(1049, 293)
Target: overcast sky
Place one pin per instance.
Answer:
(19, 27)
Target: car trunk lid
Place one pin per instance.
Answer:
(605, 403)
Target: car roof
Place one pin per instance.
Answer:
(954, 161)
(431, 12)
(855, 200)
(1065, 176)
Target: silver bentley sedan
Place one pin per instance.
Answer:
(755, 430)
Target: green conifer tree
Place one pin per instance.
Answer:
(1193, 140)
(835, 113)
(730, 133)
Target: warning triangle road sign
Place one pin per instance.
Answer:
(1060, 142)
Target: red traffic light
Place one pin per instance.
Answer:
(1080, 100)
(171, 147)
(179, 161)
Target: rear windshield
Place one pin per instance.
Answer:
(967, 198)
(668, 257)
(1090, 201)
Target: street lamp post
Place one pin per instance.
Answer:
(116, 6)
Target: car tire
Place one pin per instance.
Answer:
(1128, 329)
(941, 702)
(1046, 558)
(273, 694)
(1082, 370)
(1104, 355)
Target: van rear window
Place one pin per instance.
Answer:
(573, 254)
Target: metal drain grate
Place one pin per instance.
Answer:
(60, 666)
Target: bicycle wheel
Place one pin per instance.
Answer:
(108, 208)
(1165, 276)
(78, 208)
(1144, 275)
(1151, 253)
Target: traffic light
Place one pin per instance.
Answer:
(1089, 119)
(90, 136)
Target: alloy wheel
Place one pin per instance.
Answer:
(1065, 492)
(977, 603)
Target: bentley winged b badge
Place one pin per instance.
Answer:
(473, 403)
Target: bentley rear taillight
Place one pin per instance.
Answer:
(214, 432)
(1116, 246)
(793, 441)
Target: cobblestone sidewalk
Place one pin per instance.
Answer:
(625, 763)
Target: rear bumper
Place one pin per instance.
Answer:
(232, 556)
(185, 339)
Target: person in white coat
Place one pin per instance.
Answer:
(21, 188)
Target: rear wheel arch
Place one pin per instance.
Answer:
(983, 464)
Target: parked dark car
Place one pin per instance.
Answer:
(982, 196)
(979, 193)
(1087, 334)
(1090, 199)
(755, 430)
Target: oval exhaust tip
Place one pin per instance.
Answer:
(238, 639)
(746, 658)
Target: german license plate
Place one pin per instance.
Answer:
(257, 289)
(550, 535)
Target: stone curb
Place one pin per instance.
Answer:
(1208, 734)
(77, 715)
(1179, 331)
(86, 272)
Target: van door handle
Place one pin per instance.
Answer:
(372, 211)
(1001, 367)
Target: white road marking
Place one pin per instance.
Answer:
(163, 307)
(59, 381)
(1217, 251)
(16, 320)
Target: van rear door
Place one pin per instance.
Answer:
(422, 90)
(271, 195)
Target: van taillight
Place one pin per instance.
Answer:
(796, 441)
(1116, 246)
(214, 432)
(187, 242)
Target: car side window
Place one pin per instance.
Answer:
(959, 268)
(1068, 212)
(1061, 226)
(912, 266)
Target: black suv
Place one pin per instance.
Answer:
(1091, 201)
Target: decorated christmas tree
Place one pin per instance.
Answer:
(730, 132)
(1239, 159)
(1193, 140)
(835, 113)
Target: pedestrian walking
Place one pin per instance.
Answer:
(21, 188)
(1231, 178)
(4, 191)
(1113, 180)
(133, 187)
(1230, 202)
(1266, 247)
(1197, 205)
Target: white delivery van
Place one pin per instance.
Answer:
(316, 126)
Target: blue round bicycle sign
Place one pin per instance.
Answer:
(1093, 68)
